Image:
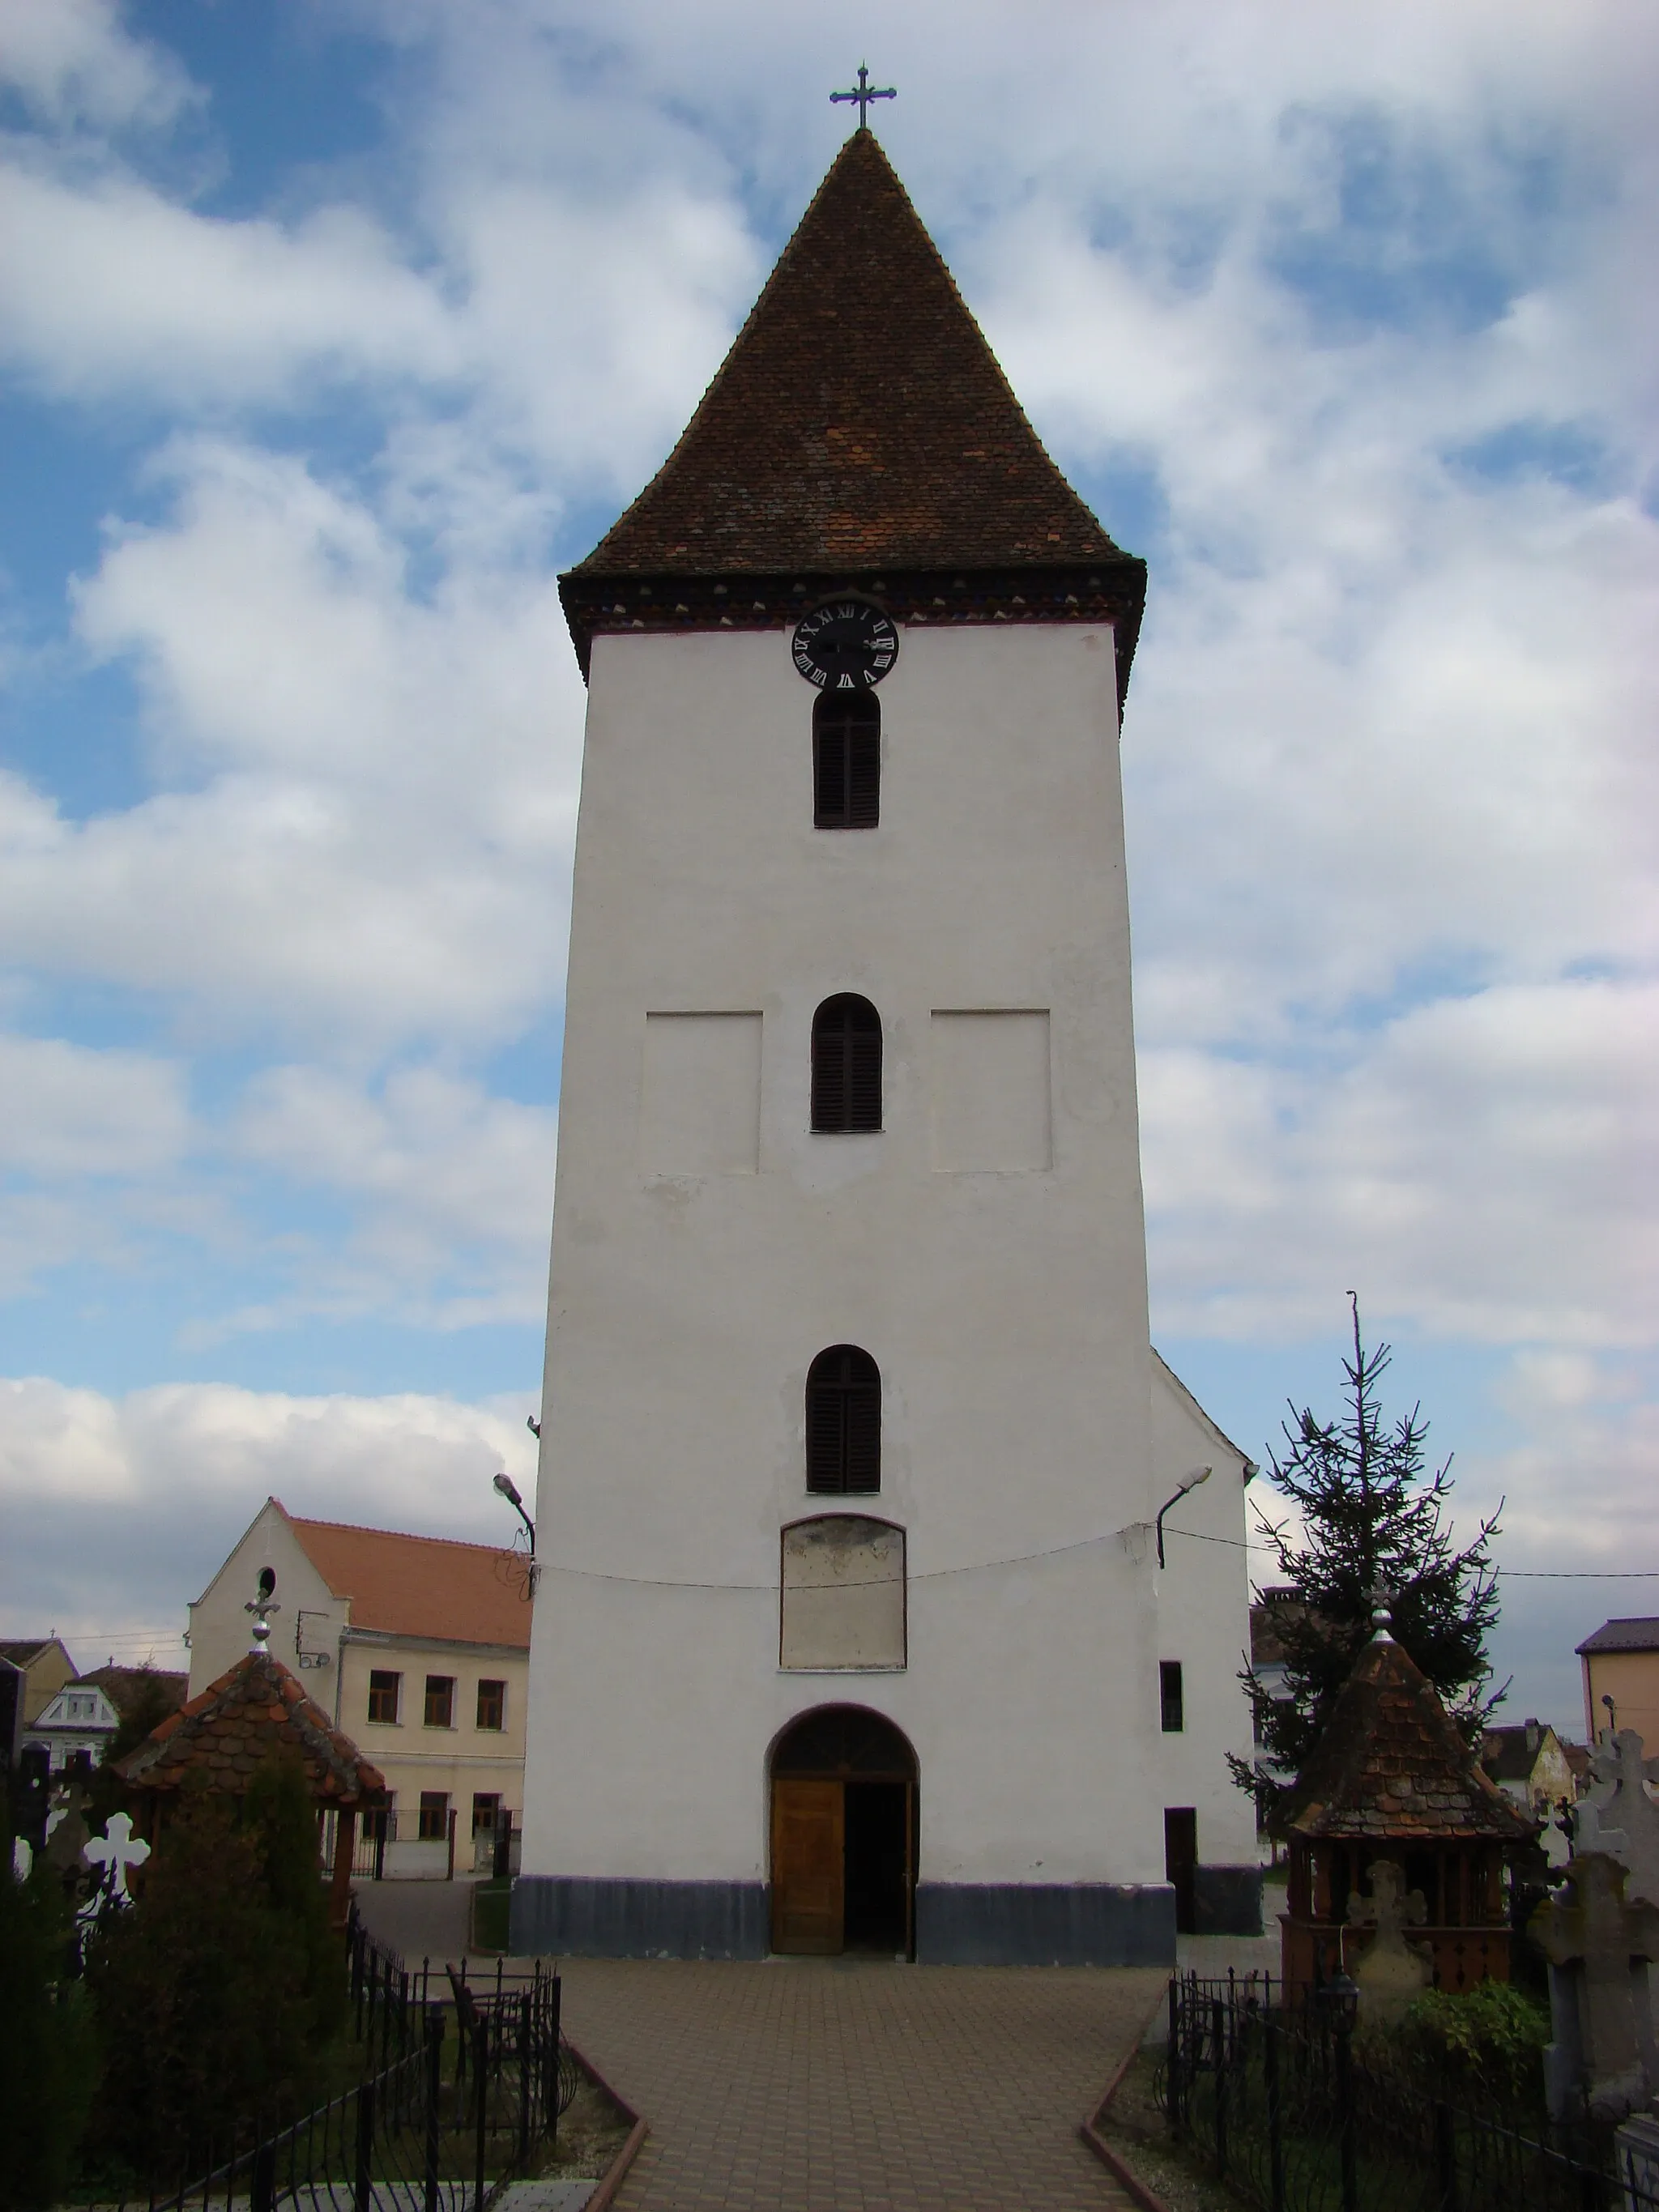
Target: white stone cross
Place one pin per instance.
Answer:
(115, 1851)
(1618, 1817)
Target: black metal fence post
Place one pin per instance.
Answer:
(1218, 2053)
(555, 2029)
(481, 2070)
(527, 2079)
(1172, 2062)
(363, 2186)
(1345, 2111)
(264, 2178)
(1275, 2113)
(435, 2066)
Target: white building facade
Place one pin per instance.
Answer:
(852, 1632)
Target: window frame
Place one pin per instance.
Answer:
(1171, 1697)
(856, 1420)
(848, 1073)
(435, 1807)
(379, 1677)
(498, 1684)
(847, 761)
(493, 1799)
(442, 1687)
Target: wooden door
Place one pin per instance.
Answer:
(808, 1867)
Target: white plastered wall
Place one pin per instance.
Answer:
(219, 1627)
(1204, 1596)
(1007, 1309)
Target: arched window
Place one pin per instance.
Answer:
(843, 1422)
(846, 761)
(846, 1064)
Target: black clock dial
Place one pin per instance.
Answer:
(846, 644)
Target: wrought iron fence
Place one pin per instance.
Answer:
(461, 2093)
(1267, 2082)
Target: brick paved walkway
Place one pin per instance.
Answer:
(838, 2086)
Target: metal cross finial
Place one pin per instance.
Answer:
(864, 95)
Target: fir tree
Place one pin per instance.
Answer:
(1371, 1525)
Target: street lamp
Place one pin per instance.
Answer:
(509, 1490)
(1199, 1475)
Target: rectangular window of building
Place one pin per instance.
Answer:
(434, 1815)
(1170, 1696)
(440, 1701)
(486, 1812)
(492, 1705)
(384, 1689)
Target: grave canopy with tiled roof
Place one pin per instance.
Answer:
(1392, 1765)
(225, 1734)
(859, 424)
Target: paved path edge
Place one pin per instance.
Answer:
(1126, 2177)
(611, 2179)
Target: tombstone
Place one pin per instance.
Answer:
(1598, 1947)
(1391, 1970)
(66, 1827)
(31, 1795)
(1618, 1817)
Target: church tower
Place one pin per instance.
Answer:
(850, 1627)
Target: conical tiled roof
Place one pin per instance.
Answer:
(859, 422)
(1392, 1763)
(226, 1733)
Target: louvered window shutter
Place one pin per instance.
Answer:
(846, 763)
(843, 1422)
(846, 1064)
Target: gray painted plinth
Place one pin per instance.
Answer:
(957, 1924)
(1227, 1900)
(1083, 1924)
(573, 1919)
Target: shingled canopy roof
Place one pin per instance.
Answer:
(226, 1733)
(1392, 1765)
(859, 420)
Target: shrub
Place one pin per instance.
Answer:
(216, 1993)
(1484, 2043)
(46, 2050)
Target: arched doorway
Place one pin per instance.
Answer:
(844, 1828)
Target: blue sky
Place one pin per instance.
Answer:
(330, 332)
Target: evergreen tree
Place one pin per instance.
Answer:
(1370, 1526)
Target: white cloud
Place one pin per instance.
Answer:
(73, 64)
(120, 1511)
(73, 1112)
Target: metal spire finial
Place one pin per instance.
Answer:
(867, 91)
(262, 1606)
(1381, 1596)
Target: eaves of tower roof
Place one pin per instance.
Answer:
(1392, 1763)
(859, 427)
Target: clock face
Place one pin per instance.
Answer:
(846, 644)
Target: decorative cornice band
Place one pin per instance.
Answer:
(1108, 591)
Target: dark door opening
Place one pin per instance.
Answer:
(843, 1836)
(1181, 1863)
(877, 1860)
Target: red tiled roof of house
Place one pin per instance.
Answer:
(1391, 1763)
(121, 1685)
(420, 1585)
(225, 1733)
(859, 420)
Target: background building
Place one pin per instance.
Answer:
(416, 1647)
(1621, 1665)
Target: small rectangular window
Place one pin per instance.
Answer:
(1170, 1696)
(435, 1816)
(440, 1701)
(383, 1692)
(492, 1705)
(486, 1812)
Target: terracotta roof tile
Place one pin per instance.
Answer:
(421, 1585)
(860, 420)
(225, 1732)
(1391, 1763)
